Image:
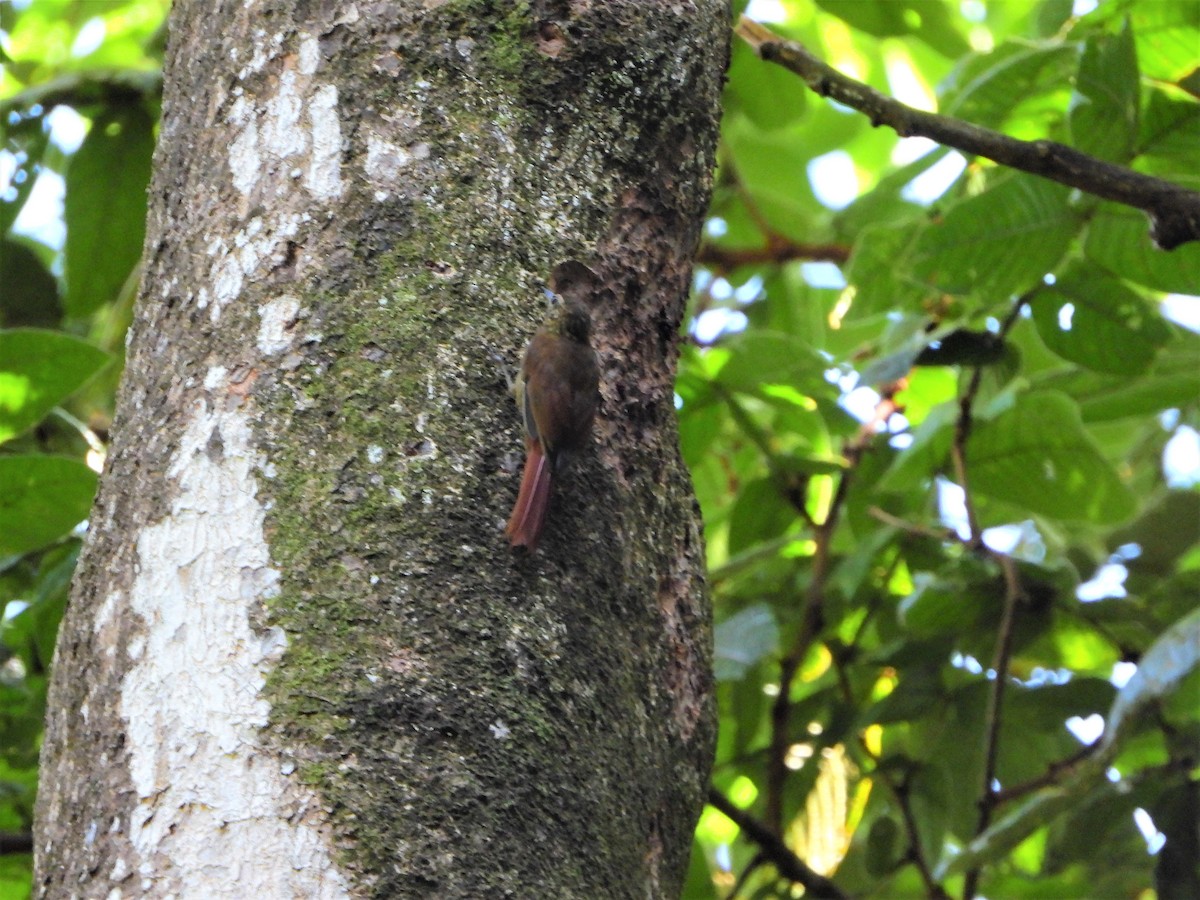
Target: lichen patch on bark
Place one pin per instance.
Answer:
(191, 699)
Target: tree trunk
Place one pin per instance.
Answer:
(300, 659)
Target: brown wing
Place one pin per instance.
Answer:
(561, 379)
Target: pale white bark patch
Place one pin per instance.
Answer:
(277, 320)
(296, 124)
(282, 136)
(385, 159)
(215, 816)
(310, 54)
(324, 176)
(256, 245)
(226, 281)
(244, 160)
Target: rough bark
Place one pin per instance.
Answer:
(299, 658)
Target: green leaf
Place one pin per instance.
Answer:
(41, 499)
(982, 87)
(1161, 669)
(1118, 241)
(921, 19)
(970, 251)
(917, 694)
(1166, 36)
(883, 846)
(743, 640)
(1025, 818)
(879, 270)
(937, 606)
(926, 455)
(769, 95)
(106, 207)
(772, 169)
(1097, 322)
(1173, 380)
(1104, 110)
(38, 370)
(1169, 135)
(1156, 531)
(30, 295)
(765, 357)
(30, 634)
(1037, 454)
(759, 514)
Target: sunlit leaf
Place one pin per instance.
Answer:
(925, 21)
(1097, 322)
(1037, 454)
(41, 499)
(38, 370)
(983, 86)
(106, 207)
(1104, 114)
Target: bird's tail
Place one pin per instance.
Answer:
(525, 524)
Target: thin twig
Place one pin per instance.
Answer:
(1013, 593)
(16, 842)
(790, 866)
(991, 741)
(1174, 211)
(811, 614)
(777, 252)
(938, 534)
(1054, 774)
(958, 455)
(900, 796)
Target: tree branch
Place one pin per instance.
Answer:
(790, 866)
(1013, 592)
(1054, 774)
(15, 842)
(776, 252)
(1174, 211)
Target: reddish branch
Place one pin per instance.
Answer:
(1174, 211)
(777, 252)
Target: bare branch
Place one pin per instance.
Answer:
(776, 252)
(1174, 211)
(790, 866)
(15, 842)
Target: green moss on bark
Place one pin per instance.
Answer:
(457, 706)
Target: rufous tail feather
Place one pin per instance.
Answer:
(529, 513)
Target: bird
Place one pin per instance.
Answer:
(556, 390)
